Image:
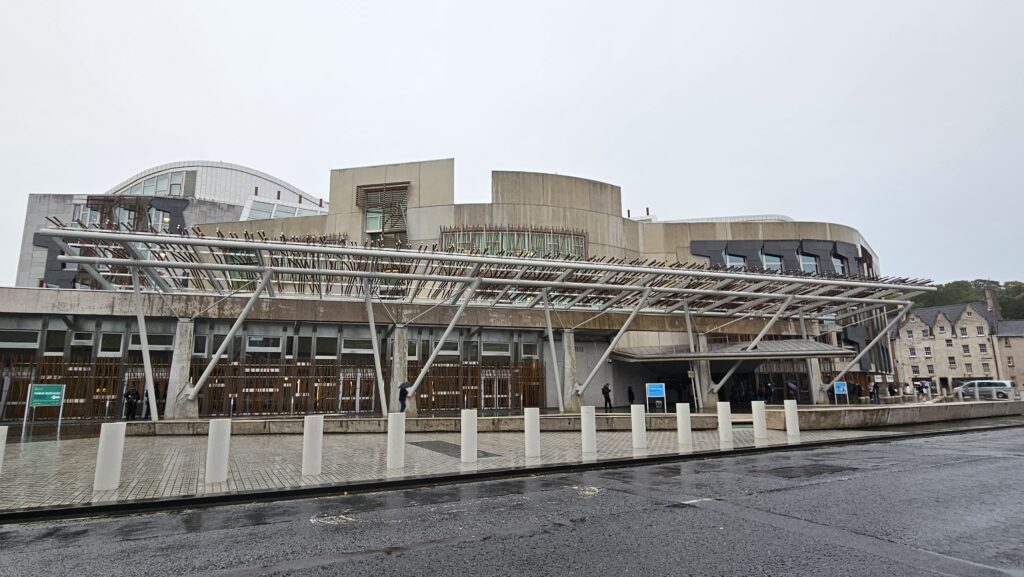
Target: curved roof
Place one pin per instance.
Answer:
(200, 164)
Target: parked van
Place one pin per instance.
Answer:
(1004, 390)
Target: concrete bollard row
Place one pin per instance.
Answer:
(3, 444)
(312, 444)
(684, 430)
(468, 431)
(396, 441)
(760, 421)
(792, 420)
(108, 457)
(638, 422)
(725, 437)
(218, 450)
(588, 430)
(531, 432)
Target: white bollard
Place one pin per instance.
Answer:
(108, 457)
(724, 423)
(637, 415)
(792, 420)
(684, 431)
(218, 448)
(396, 440)
(3, 445)
(760, 421)
(312, 444)
(531, 429)
(468, 435)
(588, 428)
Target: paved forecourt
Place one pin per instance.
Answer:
(56, 473)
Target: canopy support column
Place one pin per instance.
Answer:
(144, 339)
(753, 344)
(554, 356)
(376, 348)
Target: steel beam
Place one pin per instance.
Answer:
(147, 366)
(267, 274)
(158, 282)
(95, 274)
(878, 338)
(753, 344)
(376, 348)
(554, 355)
(579, 388)
(444, 336)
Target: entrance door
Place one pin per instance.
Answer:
(496, 390)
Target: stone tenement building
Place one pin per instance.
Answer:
(948, 345)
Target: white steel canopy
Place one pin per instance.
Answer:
(312, 268)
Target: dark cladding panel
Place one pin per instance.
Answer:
(713, 249)
(787, 249)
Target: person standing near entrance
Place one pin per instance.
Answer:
(606, 390)
(630, 395)
(130, 398)
(403, 395)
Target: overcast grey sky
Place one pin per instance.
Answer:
(902, 119)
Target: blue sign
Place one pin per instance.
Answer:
(655, 390)
(841, 388)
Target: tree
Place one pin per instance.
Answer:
(1010, 295)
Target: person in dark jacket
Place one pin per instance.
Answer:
(403, 395)
(130, 398)
(606, 390)
(630, 395)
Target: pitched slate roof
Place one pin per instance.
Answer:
(1011, 329)
(929, 315)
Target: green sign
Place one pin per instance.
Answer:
(46, 395)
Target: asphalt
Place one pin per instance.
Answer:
(944, 505)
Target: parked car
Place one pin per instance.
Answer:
(982, 390)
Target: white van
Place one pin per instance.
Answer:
(1002, 390)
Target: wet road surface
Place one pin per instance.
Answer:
(945, 505)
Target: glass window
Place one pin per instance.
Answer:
(952, 362)
(913, 351)
(327, 347)
(357, 346)
(471, 352)
(374, 220)
(175, 190)
(161, 184)
(199, 345)
(8, 338)
(164, 340)
(986, 368)
(149, 187)
(910, 334)
(982, 348)
(260, 210)
(55, 341)
(1009, 362)
(283, 211)
(969, 368)
(261, 342)
(413, 350)
(735, 260)
(450, 348)
(809, 263)
(177, 177)
(530, 350)
(949, 342)
(771, 262)
(497, 349)
(942, 329)
(78, 338)
(839, 264)
(981, 329)
(963, 331)
(927, 351)
(110, 343)
(924, 334)
(967, 349)
(931, 369)
(916, 370)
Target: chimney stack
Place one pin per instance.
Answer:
(992, 303)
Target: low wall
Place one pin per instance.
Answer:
(552, 423)
(859, 417)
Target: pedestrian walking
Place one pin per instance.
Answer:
(874, 393)
(630, 395)
(130, 398)
(403, 395)
(769, 393)
(606, 390)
